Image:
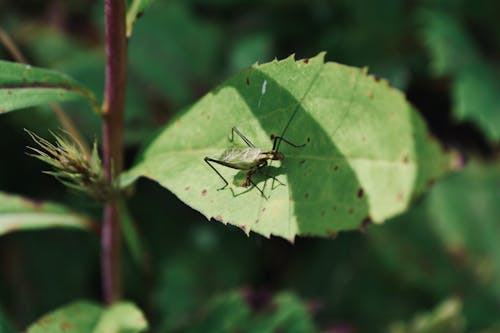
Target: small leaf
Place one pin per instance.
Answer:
(78, 317)
(135, 11)
(131, 236)
(122, 317)
(18, 213)
(85, 317)
(23, 86)
(367, 152)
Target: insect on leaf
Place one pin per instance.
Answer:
(367, 152)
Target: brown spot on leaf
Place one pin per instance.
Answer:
(306, 60)
(219, 218)
(376, 78)
(331, 233)
(323, 213)
(302, 162)
(256, 221)
(350, 211)
(430, 182)
(248, 81)
(308, 139)
(186, 188)
(400, 196)
(263, 209)
(306, 195)
(204, 193)
(65, 326)
(334, 208)
(361, 192)
(244, 228)
(406, 159)
(371, 94)
(34, 204)
(9, 92)
(364, 223)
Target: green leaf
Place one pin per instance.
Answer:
(23, 86)
(18, 213)
(476, 84)
(135, 11)
(121, 317)
(446, 317)
(85, 317)
(367, 153)
(465, 208)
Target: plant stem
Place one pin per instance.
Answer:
(113, 110)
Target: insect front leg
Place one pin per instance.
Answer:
(208, 160)
(261, 167)
(249, 181)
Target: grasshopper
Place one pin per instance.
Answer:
(249, 158)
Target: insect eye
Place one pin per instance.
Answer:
(273, 136)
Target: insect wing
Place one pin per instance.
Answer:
(241, 158)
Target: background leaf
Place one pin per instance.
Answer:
(251, 312)
(465, 210)
(88, 317)
(121, 317)
(18, 213)
(446, 317)
(22, 86)
(354, 168)
(475, 81)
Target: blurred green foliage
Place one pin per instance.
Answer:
(446, 246)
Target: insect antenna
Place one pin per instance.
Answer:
(278, 139)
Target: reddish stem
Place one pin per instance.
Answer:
(112, 137)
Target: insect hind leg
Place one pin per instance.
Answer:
(208, 160)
